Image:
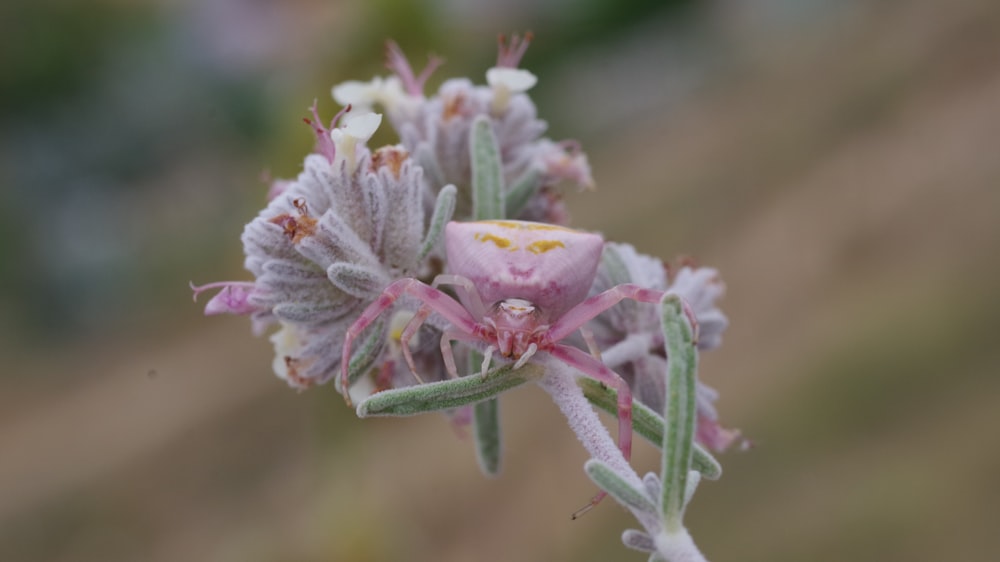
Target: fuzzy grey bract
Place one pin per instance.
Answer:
(326, 247)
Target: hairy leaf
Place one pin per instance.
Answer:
(444, 395)
(487, 171)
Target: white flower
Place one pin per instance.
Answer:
(515, 80)
(506, 82)
(356, 129)
(287, 347)
(363, 96)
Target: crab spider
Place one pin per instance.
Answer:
(522, 289)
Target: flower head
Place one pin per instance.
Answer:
(436, 129)
(633, 343)
(326, 245)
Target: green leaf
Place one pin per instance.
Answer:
(608, 480)
(444, 208)
(487, 171)
(648, 424)
(444, 395)
(522, 191)
(363, 359)
(486, 420)
(486, 425)
(678, 439)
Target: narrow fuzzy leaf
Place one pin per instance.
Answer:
(648, 424)
(487, 173)
(638, 540)
(521, 192)
(332, 241)
(443, 395)
(357, 280)
(486, 426)
(694, 478)
(678, 439)
(307, 312)
(444, 208)
(608, 480)
(367, 354)
(652, 484)
(486, 420)
(705, 463)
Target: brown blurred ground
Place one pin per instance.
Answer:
(844, 175)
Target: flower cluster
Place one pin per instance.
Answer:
(632, 341)
(357, 221)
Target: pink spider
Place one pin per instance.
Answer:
(534, 278)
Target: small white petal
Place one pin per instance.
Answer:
(353, 92)
(362, 126)
(287, 343)
(362, 96)
(513, 79)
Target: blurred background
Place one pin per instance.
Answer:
(838, 161)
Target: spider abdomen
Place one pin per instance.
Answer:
(551, 267)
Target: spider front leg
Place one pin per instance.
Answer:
(466, 291)
(468, 294)
(438, 302)
(587, 310)
(449, 355)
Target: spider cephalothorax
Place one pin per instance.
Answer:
(521, 289)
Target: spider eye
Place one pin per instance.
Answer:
(517, 307)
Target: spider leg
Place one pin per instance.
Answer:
(449, 356)
(588, 338)
(528, 353)
(487, 358)
(466, 290)
(467, 293)
(439, 302)
(587, 310)
(598, 371)
(404, 339)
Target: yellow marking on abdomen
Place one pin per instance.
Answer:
(542, 246)
(522, 225)
(502, 243)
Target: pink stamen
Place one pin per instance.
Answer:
(340, 115)
(717, 438)
(199, 289)
(396, 61)
(324, 144)
(232, 299)
(509, 54)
